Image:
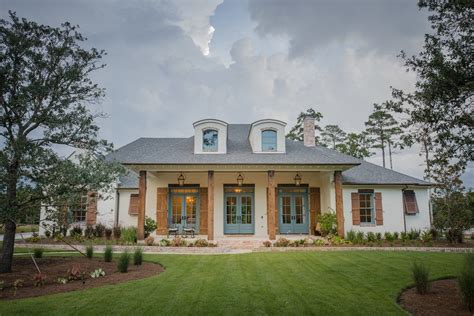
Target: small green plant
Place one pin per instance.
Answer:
(378, 236)
(47, 234)
(18, 283)
(319, 242)
(38, 252)
(97, 273)
(336, 240)
(117, 231)
(396, 235)
(351, 235)
(165, 243)
(404, 236)
(282, 242)
(76, 231)
(420, 275)
(178, 242)
(62, 280)
(426, 236)
(123, 261)
(89, 232)
(466, 281)
(150, 226)
(129, 235)
(108, 253)
(99, 230)
(359, 238)
(203, 243)
(90, 251)
(389, 237)
(414, 234)
(328, 222)
(371, 237)
(138, 256)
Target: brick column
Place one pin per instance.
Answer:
(271, 207)
(339, 205)
(210, 205)
(141, 205)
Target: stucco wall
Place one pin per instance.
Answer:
(255, 136)
(124, 219)
(392, 204)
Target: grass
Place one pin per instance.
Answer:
(29, 228)
(258, 283)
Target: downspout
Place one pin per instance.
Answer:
(117, 206)
(403, 210)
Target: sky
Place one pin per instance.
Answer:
(170, 63)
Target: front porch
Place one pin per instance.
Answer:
(238, 204)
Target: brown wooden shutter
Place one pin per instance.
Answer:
(162, 211)
(133, 206)
(91, 214)
(378, 208)
(355, 208)
(409, 202)
(314, 207)
(277, 220)
(203, 211)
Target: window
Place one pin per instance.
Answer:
(366, 206)
(269, 140)
(409, 202)
(79, 211)
(209, 140)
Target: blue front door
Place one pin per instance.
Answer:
(238, 212)
(184, 211)
(293, 213)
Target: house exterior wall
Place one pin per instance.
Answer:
(255, 136)
(125, 219)
(393, 214)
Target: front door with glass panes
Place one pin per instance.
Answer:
(239, 210)
(183, 209)
(293, 210)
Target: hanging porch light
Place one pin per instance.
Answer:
(297, 179)
(240, 180)
(181, 180)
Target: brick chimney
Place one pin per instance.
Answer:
(308, 132)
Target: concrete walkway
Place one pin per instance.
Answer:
(224, 250)
(18, 236)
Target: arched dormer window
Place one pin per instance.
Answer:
(210, 140)
(269, 140)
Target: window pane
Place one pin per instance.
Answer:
(177, 210)
(366, 207)
(299, 210)
(231, 209)
(209, 140)
(246, 202)
(190, 210)
(269, 140)
(286, 210)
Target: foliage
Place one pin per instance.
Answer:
(453, 214)
(319, 242)
(466, 281)
(129, 235)
(18, 283)
(123, 261)
(47, 234)
(328, 222)
(39, 279)
(296, 132)
(360, 236)
(149, 241)
(336, 240)
(389, 236)
(201, 243)
(61, 280)
(38, 252)
(426, 236)
(378, 236)
(99, 230)
(150, 226)
(351, 235)
(282, 242)
(371, 237)
(76, 231)
(90, 251)
(165, 243)
(420, 275)
(108, 253)
(117, 231)
(178, 242)
(267, 243)
(357, 145)
(404, 236)
(108, 233)
(396, 235)
(89, 232)
(138, 256)
(414, 234)
(332, 135)
(75, 273)
(97, 273)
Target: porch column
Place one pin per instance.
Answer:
(339, 205)
(271, 207)
(141, 205)
(210, 205)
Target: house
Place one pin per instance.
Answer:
(249, 180)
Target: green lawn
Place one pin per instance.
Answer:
(259, 283)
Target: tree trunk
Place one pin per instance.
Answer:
(390, 154)
(8, 246)
(383, 153)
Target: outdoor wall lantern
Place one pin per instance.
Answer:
(297, 179)
(181, 180)
(240, 180)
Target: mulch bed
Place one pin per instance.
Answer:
(444, 298)
(57, 267)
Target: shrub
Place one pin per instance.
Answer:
(138, 256)
(414, 234)
(359, 237)
(201, 243)
(129, 235)
(267, 243)
(420, 274)
(90, 251)
(371, 237)
(149, 241)
(389, 236)
(378, 236)
(38, 252)
(150, 225)
(178, 242)
(89, 231)
(466, 281)
(97, 273)
(328, 222)
(319, 242)
(108, 233)
(165, 243)
(351, 235)
(99, 230)
(47, 234)
(123, 261)
(117, 231)
(282, 242)
(403, 236)
(426, 236)
(336, 240)
(395, 235)
(39, 279)
(76, 231)
(108, 253)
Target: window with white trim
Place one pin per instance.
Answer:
(210, 140)
(269, 140)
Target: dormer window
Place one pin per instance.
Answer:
(210, 140)
(269, 140)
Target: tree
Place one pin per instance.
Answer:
(382, 128)
(296, 132)
(332, 135)
(357, 145)
(439, 114)
(45, 85)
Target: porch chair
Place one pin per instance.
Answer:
(172, 230)
(190, 228)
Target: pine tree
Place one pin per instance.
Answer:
(332, 135)
(357, 145)
(296, 132)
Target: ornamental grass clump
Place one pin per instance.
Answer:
(129, 235)
(466, 281)
(123, 261)
(108, 253)
(138, 256)
(351, 235)
(90, 251)
(420, 275)
(38, 252)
